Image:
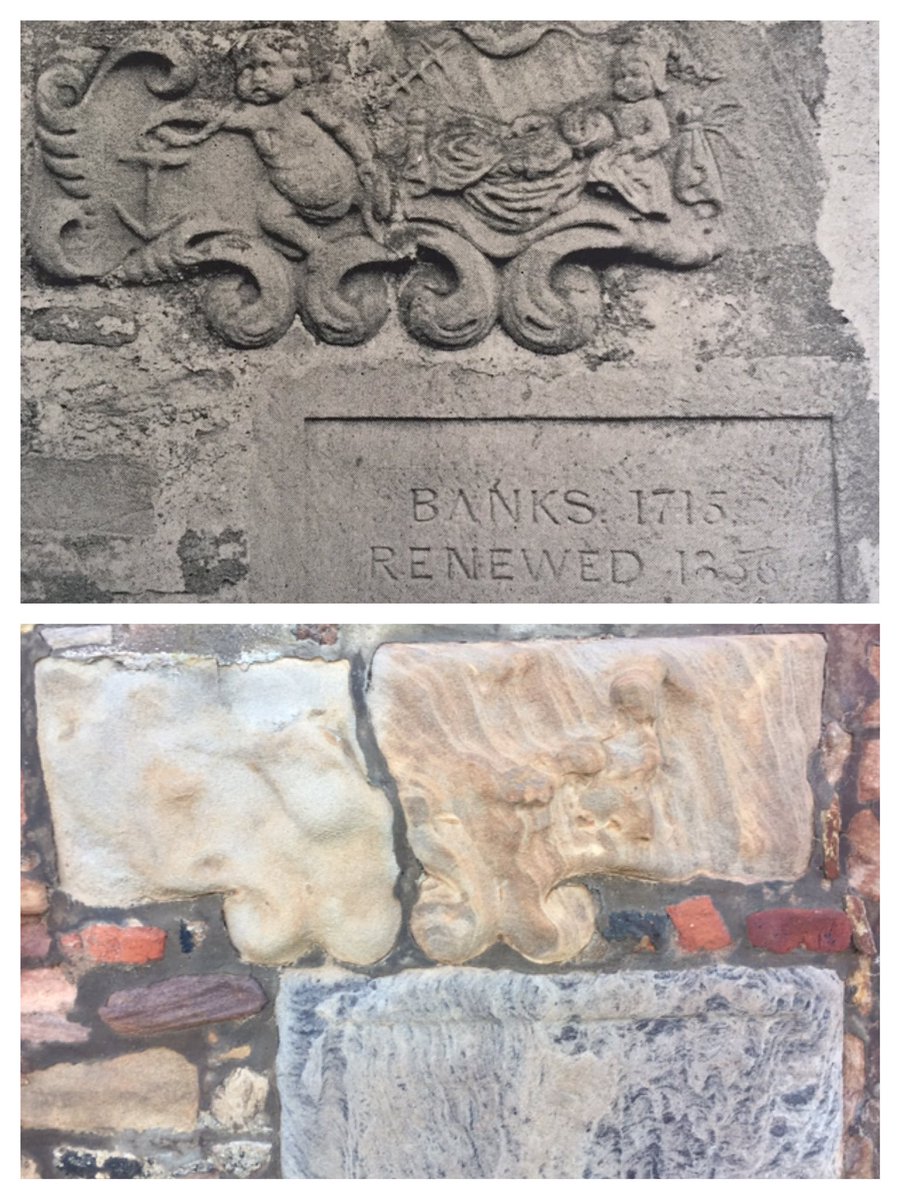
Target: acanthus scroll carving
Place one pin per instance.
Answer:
(497, 166)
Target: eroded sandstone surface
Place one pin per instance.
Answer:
(520, 767)
(169, 779)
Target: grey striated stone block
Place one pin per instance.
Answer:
(721, 1072)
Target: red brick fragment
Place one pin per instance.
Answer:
(699, 925)
(36, 940)
(868, 781)
(325, 635)
(782, 929)
(125, 944)
(182, 1002)
(863, 861)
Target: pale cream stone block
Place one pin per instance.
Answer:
(177, 777)
(240, 1100)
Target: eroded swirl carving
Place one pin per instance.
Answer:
(453, 305)
(477, 158)
(252, 305)
(522, 767)
(173, 781)
(549, 304)
(342, 301)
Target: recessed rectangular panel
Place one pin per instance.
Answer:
(681, 509)
(719, 1072)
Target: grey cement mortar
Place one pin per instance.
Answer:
(224, 499)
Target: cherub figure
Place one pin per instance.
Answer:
(625, 163)
(317, 153)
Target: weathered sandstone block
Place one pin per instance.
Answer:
(521, 766)
(176, 778)
(48, 997)
(721, 1072)
(34, 898)
(181, 1003)
(156, 1089)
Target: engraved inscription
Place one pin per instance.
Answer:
(680, 510)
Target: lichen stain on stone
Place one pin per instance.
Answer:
(66, 589)
(209, 561)
(106, 326)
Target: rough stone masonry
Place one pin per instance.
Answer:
(450, 902)
(450, 311)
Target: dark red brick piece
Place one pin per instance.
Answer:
(325, 635)
(182, 1002)
(782, 929)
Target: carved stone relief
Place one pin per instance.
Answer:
(523, 767)
(169, 779)
(491, 166)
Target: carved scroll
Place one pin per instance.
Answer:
(474, 159)
(522, 766)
